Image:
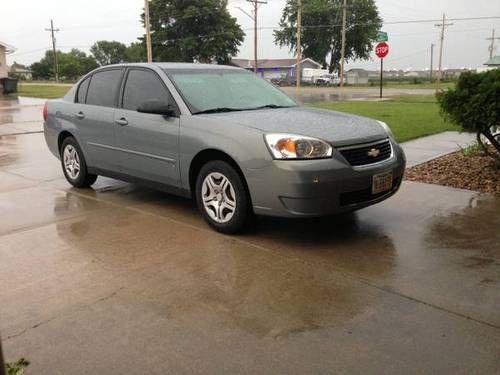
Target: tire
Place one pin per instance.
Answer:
(222, 197)
(74, 166)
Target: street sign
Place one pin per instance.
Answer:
(382, 36)
(382, 50)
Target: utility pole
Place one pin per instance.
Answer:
(432, 62)
(492, 46)
(52, 35)
(298, 70)
(342, 49)
(254, 17)
(149, 49)
(443, 26)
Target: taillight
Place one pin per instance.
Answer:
(46, 111)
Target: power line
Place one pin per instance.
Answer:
(443, 25)
(342, 49)
(52, 31)
(492, 46)
(256, 4)
(298, 69)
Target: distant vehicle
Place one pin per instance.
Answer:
(310, 75)
(328, 80)
(223, 136)
(283, 81)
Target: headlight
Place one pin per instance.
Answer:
(289, 146)
(387, 130)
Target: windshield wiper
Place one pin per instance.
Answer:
(218, 110)
(273, 106)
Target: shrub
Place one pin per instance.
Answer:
(474, 105)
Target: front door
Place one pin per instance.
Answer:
(148, 143)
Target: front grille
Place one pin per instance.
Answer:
(367, 154)
(365, 195)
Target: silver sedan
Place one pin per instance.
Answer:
(221, 135)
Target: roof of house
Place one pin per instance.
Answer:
(270, 63)
(495, 61)
(8, 48)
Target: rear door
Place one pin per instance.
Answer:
(148, 143)
(95, 118)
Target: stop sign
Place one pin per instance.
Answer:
(382, 50)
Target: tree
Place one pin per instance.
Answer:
(109, 52)
(322, 30)
(43, 69)
(136, 52)
(193, 30)
(72, 65)
(474, 105)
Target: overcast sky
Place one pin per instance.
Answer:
(82, 22)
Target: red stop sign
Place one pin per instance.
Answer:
(382, 50)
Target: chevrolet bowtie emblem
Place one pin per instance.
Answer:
(373, 153)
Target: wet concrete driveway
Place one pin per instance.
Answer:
(126, 280)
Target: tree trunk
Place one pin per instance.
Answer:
(494, 142)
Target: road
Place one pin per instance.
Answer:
(122, 279)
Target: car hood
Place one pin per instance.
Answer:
(337, 128)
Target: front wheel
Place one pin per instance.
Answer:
(222, 198)
(74, 165)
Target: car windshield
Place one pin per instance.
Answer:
(225, 90)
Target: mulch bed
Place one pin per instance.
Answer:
(478, 173)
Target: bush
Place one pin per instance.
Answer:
(474, 105)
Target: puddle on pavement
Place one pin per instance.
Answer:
(475, 227)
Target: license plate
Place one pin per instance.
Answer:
(382, 182)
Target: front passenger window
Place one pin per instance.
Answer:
(143, 86)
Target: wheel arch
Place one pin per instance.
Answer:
(207, 155)
(61, 137)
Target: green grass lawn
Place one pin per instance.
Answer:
(42, 91)
(409, 117)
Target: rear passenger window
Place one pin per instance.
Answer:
(142, 86)
(103, 88)
(82, 91)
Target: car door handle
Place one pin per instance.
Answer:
(122, 122)
(80, 115)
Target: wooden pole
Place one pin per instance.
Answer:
(298, 71)
(149, 49)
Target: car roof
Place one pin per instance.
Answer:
(176, 65)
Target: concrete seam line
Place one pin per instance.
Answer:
(22, 133)
(43, 322)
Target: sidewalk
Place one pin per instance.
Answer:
(423, 149)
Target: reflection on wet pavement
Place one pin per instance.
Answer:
(20, 115)
(131, 279)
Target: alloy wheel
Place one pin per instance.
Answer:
(219, 198)
(71, 162)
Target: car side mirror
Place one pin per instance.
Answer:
(156, 107)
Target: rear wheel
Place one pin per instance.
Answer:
(222, 198)
(74, 165)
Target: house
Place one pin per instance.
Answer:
(276, 68)
(5, 49)
(20, 71)
(493, 63)
(357, 77)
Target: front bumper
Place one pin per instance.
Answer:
(298, 188)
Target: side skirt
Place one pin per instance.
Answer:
(140, 181)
